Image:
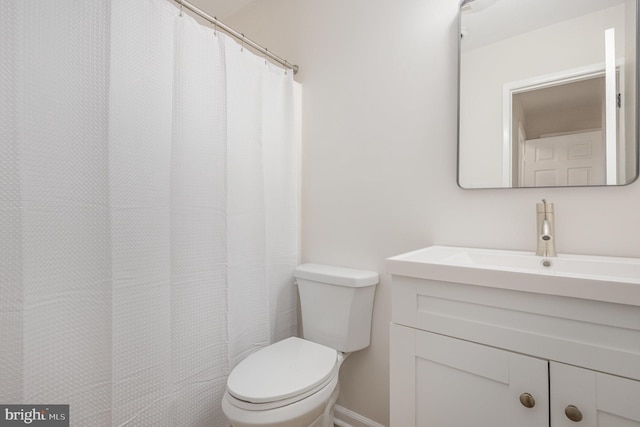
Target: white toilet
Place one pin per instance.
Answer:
(294, 382)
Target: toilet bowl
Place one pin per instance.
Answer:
(294, 382)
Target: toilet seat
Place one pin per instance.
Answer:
(281, 374)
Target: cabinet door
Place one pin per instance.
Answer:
(438, 381)
(602, 400)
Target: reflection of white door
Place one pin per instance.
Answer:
(573, 159)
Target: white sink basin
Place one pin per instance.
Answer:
(610, 279)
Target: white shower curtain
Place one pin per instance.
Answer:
(148, 210)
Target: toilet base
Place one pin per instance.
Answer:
(327, 417)
(316, 410)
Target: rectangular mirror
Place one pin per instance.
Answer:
(547, 93)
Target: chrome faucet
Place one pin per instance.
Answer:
(546, 230)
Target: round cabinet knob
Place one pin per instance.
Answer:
(527, 400)
(573, 413)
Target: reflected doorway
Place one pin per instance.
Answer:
(557, 132)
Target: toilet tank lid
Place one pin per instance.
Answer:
(336, 275)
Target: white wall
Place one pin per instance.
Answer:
(379, 156)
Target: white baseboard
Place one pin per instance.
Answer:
(344, 417)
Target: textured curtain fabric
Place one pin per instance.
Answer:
(148, 210)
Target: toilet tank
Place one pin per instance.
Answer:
(336, 305)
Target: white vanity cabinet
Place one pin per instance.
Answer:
(464, 355)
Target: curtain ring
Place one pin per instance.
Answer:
(266, 51)
(242, 43)
(215, 26)
(286, 67)
(181, 6)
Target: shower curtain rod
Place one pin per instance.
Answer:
(243, 39)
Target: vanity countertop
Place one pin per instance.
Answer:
(600, 278)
